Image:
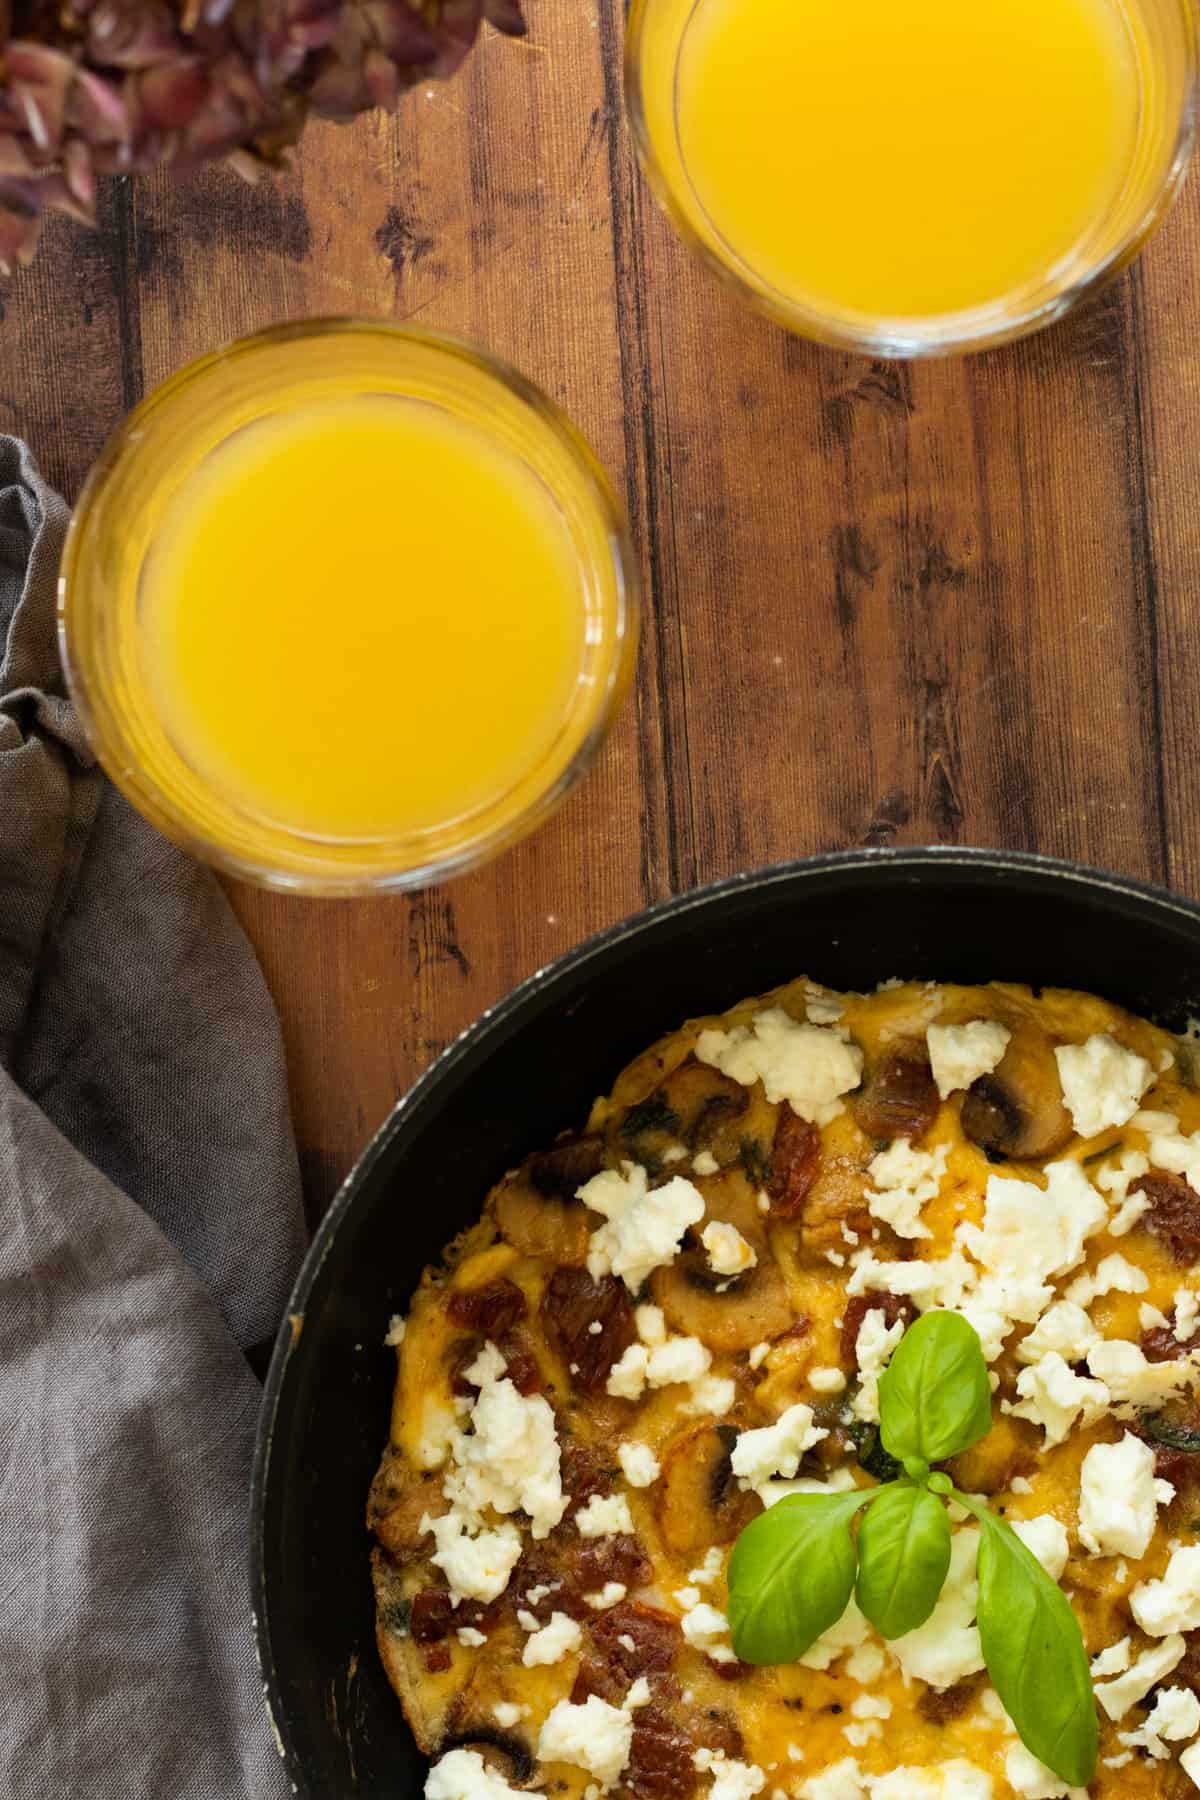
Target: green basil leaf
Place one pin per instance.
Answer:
(791, 1575)
(1034, 1651)
(934, 1398)
(903, 1559)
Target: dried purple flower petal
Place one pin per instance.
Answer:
(94, 87)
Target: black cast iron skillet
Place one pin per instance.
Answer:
(530, 1068)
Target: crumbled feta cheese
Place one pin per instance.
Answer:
(609, 1595)
(1032, 1780)
(822, 1007)
(627, 1377)
(638, 1695)
(826, 1381)
(953, 1780)
(1102, 1082)
(871, 1706)
(758, 1355)
(960, 1054)
(711, 1569)
(595, 1736)
(509, 1460)
(727, 1250)
(639, 1465)
(1114, 1275)
(687, 1597)
(866, 1663)
(1132, 1380)
(711, 1394)
(1020, 1484)
(1187, 1315)
(859, 1733)
(1173, 1603)
(644, 1227)
(876, 1342)
(1151, 1667)
(397, 1326)
(603, 1516)
(463, 1775)
(705, 1163)
(1118, 1498)
(651, 1322)
(1054, 1397)
(552, 1642)
(706, 1629)
(841, 1781)
(1113, 1661)
(674, 1153)
(1189, 1762)
(1170, 1149)
(1031, 1235)
(469, 1638)
(1175, 1716)
(946, 1649)
(811, 1066)
(679, 1359)
(476, 1567)
(1046, 1538)
(1116, 1180)
(1065, 1329)
(507, 1714)
(904, 1179)
(736, 1781)
(775, 1449)
(535, 1595)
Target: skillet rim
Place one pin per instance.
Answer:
(1036, 869)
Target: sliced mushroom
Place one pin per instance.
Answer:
(697, 1498)
(724, 1312)
(539, 1223)
(899, 1097)
(504, 1751)
(695, 1106)
(1017, 1111)
(400, 1497)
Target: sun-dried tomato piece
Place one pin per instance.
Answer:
(616, 1558)
(795, 1163)
(655, 1637)
(491, 1310)
(1173, 1215)
(660, 1763)
(432, 1616)
(572, 1304)
(585, 1472)
(898, 1099)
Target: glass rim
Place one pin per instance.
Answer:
(942, 334)
(387, 862)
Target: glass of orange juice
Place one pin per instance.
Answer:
(347, 606)
(903, 177)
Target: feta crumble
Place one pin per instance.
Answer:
(727, 1250)
(552, 1642)
(1171, 1604)
(960, 1054)
(1102, 1082)
(946, 1649)
(644, 1227)
(1134, 1381)
(1151, 1667)
(775, 1449)
(1032, 1780)
(1174, 1718)
(604, 1516)
(1119, 1498)
(874, 1347)
(904, 1179)
(595, 1736)
(810, 1066)
(639, 1465)
(1053, 1396)
(463, 1775)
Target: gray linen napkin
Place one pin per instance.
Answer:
(150, 1227)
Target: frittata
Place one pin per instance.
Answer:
(671, 1319)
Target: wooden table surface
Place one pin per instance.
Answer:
(950, 602)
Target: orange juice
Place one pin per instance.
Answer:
(363, 618)
(347, 605)
(909, 160)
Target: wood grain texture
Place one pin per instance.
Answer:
(952, 602)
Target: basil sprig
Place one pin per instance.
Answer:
(794, 1569)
